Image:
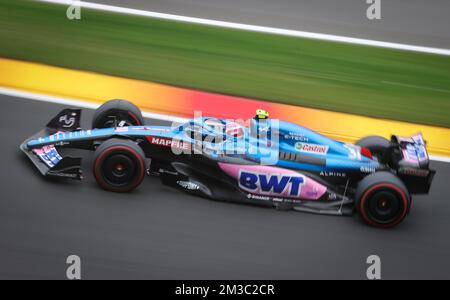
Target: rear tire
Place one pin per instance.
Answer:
(382, 200)
(119, 165)
(376, 144)
(115, 112)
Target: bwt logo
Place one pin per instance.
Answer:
(271, 184)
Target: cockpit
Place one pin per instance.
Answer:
(212, 130)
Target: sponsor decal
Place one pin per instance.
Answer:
(311, 148)
(273, 181)
(61, 135)
(299, 137)
(49, 155)
(367, 169)
(122, 124)
(313, 193)
(414, 172)
(418, 139)
(273, 199)
(188, 185)
(332, 196)
(121, 129)
(411, 152)
(287, 201)
(271, 184)
(68, 121)
(258, 197)
(354, 151)
(416, 152)
(415, 149)
(333, 174)
(158, 129)
(170, 143)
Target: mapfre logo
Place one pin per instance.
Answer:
(165, 142)
(271, 184)
(311, 148)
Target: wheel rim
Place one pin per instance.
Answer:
(385, 206)
(119, 169)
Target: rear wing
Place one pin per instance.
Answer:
(413, 150)
(412, 163)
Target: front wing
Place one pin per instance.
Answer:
(49, 162)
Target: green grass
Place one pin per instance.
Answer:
(341, 77)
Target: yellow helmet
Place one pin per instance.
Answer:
(262, 114)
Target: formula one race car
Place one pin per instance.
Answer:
(260, 161)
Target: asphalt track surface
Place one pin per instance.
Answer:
(160, 233)
(417, 22)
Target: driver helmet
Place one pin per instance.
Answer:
(261, 114)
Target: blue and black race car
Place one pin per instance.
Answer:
(259, 161)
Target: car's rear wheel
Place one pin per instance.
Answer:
(376, 144)
(117, 113)
(119, 165)
(382, 200)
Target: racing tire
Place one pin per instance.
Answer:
(376, 144)
(119, 165)
(117, 112)
(382, 200)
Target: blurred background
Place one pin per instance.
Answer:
(379, 82)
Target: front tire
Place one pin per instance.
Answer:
(119, 165)
(382, 200)
(117, 113)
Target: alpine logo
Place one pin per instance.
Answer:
(68, 122)
(165, 142)
(311, 148)
(271, 184)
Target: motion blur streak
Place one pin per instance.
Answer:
(163, 99)
(287, 32)
(413, 22)
(370, 81)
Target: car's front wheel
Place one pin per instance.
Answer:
(117, 113)
(382, 200)
(119, 165)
